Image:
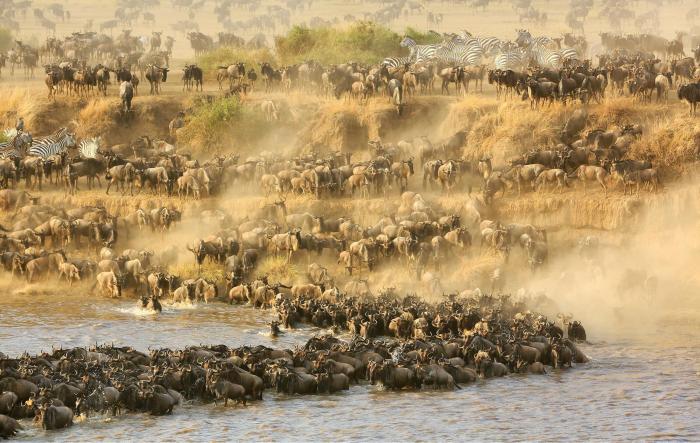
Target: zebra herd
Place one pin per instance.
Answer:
(466, 50)
(56, 143)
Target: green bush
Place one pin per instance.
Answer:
(363, 42)
(6, 40)
(423, 38)
(220, 125)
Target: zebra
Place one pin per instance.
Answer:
(545, 57)
(8, 134)
(419, 53)
(89, 148)
(541, 41)
(568, 54)
(456, 50)
(490, 45)
(396, 62)
(512, 59)
(461, 54)
(524, 39)
(53, 144)
(10, 147)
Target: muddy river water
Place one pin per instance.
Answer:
(637, 387)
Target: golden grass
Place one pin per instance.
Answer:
(673, 144)
(278, 270)
(97, 117)
(19, 102)
(208, 271)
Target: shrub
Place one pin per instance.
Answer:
(6, 40)
(423, 38)
(221, 124)
(364, 42)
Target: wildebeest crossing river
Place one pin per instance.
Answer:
(639, 387)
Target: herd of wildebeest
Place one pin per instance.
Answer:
(534, 68)
(443, 344)
(78, 245)
(438, 346)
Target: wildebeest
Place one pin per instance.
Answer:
(540, 91)
(192, 74)
(648, 177)
(289, 242)
(558, 177)
(587, 173)
(157, 179)
(188, 184)
(691, 94)
(8, 426)
(223, 389)
(155, 75)
(395, 89)
(42, 266)
(56, 417)
(109, 284)
(68, 271)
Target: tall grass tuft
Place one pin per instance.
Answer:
(278, 270)
(208, 271)
(221, 124)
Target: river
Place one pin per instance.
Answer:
(641, 386)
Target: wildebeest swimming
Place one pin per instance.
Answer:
(441, 346)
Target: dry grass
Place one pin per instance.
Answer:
(98, 117)
(208, 271)
(278, 270)
(20, 102)
(673, 144)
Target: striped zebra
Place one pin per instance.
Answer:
(524, 39)
(513, 59)
(490, 45)
(8, 134)
(545, 57)
(461, 55)
(56, 143)
(396, 62)
(541, 41)
(88, 148)
(568, 54)
(419, 53)
(456, 50)
(9, 148)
